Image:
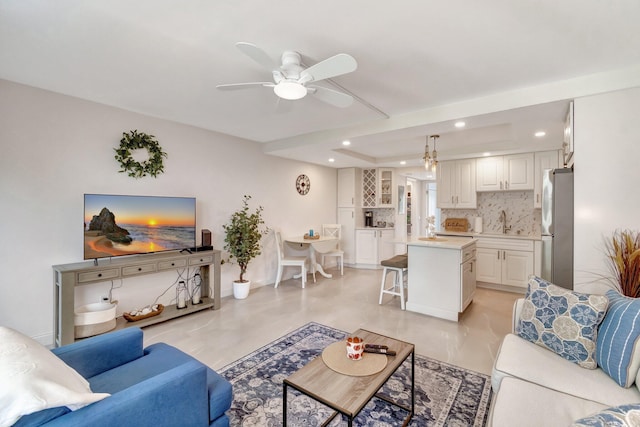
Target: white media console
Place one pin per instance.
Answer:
(67, 276)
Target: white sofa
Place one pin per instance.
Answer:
(535, 387)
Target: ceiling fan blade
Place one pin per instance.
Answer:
(330, 67)
(234, 86)
(258, 55)
(331, 96)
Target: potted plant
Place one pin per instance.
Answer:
(242, 242)
(623, 258)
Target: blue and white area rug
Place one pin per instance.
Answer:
(445, 395)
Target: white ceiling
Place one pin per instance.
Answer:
(507, 68)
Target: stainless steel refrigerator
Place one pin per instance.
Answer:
(557, 227)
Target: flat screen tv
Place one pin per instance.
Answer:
(116, 225)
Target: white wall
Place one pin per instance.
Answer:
(55, 148)
(607, 176)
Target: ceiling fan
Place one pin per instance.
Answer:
(291, 79)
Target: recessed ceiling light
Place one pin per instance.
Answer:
(403, 162)
(486, 154)
(346, 142)
(331, 160)
(540, 134)
(460, 124)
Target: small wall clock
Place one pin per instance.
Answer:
(303, 184)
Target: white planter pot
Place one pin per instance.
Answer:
(241, 289)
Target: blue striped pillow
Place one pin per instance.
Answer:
(617, 337)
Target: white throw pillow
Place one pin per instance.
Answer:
(33, 379)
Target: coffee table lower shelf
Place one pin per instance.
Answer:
(348, 395)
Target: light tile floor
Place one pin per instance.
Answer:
(344, 302)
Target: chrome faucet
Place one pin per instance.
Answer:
(503, 219)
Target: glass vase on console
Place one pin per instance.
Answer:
(182, 294)
(196, 289)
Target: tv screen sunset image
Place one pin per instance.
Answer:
(124, 225)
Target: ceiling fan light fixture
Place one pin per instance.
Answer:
(290, 90)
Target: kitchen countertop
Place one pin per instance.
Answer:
(492, 235)
(375, 228)
(445, 242)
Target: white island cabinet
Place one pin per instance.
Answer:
(442, 279)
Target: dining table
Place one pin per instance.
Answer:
(317, 245)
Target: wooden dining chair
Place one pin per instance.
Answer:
(289, 261)
(333, 230)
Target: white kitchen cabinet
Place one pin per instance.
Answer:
(349, 187)
(349, 214)
(374, 245)
(468, 273)
(441, 277)
(517, 266)
(489, 172)
(543, 160)
(386, 247)
(347, 219)
(505, 173)
(445, 183)
(366, 246)
(489, 268)
(456, 183)
(377, 188)
(507, 262)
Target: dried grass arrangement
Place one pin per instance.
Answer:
(623, 258)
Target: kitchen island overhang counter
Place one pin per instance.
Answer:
(441, 277)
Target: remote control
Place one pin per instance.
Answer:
(375, 346)
(380, 351)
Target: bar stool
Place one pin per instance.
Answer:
(398, 264)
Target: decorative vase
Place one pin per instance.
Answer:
(241, 289)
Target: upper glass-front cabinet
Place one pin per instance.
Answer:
(386, 188)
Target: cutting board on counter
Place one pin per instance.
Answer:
(456, 224)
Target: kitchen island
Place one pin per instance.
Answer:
(441, 279)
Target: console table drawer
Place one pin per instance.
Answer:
(138, 269)
(93, 276)
(201, 260)
(170, 265)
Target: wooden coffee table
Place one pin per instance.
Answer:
(349, 394)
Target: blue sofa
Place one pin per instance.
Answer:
(154, 386)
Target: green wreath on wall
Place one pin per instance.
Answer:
(132, 141)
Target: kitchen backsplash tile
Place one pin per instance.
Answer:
(387, 215)
(518, 206)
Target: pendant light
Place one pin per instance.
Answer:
(431, 159)
(427, 157)
(434, 155)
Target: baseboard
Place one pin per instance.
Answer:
(45, 339)
(504, 288)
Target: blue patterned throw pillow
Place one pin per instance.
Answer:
(617, 338)
(563, 321)
(619, 416)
